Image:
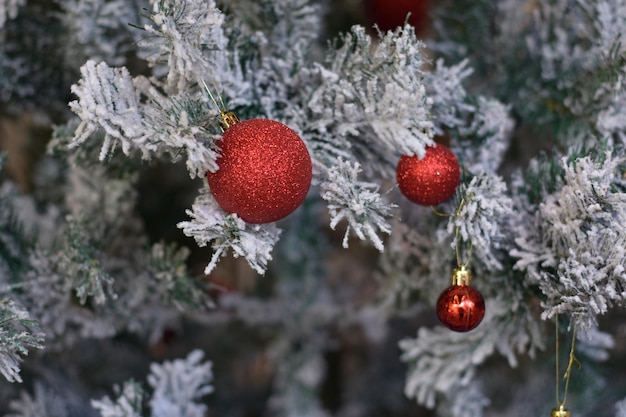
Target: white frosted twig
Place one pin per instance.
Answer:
(107, 99)
(210, 224)
(179, 384)
(358, 202)
(485, 205)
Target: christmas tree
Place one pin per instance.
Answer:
(312, 208)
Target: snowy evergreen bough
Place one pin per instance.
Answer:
(227, 231)
(576, 252)
(176, 387)
(528, 95)
(365, 211)
(18, 334)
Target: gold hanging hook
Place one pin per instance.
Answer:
(229, 118)
(561, 411)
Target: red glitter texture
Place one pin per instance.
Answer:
(431, 180)
(264, 171)
(389, 14)
(460, 308)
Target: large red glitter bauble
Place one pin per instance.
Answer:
(431, 180)
(389, 14)
(460, 308)
(264, 171)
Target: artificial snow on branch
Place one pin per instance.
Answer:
(483, 208)
(481, 125)
(367, 88)
(127, 404)
(42, 403)
(485, 139)
(178, 385)
(440, 359)
(444, 86)
(168, 265)
(8, 10)
(109, 99)
(576, 251)
(176, 388)
(182, 33)
(18, 333)
(211, 224)
(357, 202)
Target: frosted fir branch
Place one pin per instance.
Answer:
(440, 360)
(181, 124)
(50, 299)
(18, 334)
(358, 202)
(444, 86)
(608, 22)
(274, 45)
(127, 404)
(581, 52)
(176, 387)
(13, 239)
(9, 9)
(80, 261)
(620, 408)
(367, 88)
(97, 30)
(481, 125)
(211, 224)
(464, 401)
(486, 137)
(298, 377)
(552, 42)
(107, 99)
(575, 252)
(44, 403)
(179, 384)
(595, 344)
(484, 207)
(416, 256)
(167, 264)
(182, 33)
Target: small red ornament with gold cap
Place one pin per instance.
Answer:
(460, 307)
(265, 169)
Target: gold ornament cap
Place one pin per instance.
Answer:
(461, 276)
(229, 118)
(560, 412)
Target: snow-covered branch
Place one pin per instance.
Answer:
(366, 88)
(576, 250)
(484, 207)
(211, 224)
(357, 202)
(18, 333)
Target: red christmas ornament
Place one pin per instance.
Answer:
(431, 180)
(389, 14)
(460, 307)
(264, 170)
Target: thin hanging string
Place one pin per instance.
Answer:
(568, 371)
(458, 251)
(457, 242)
(228, 118)
(456, 235)
(557, 373)
(208, 90)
